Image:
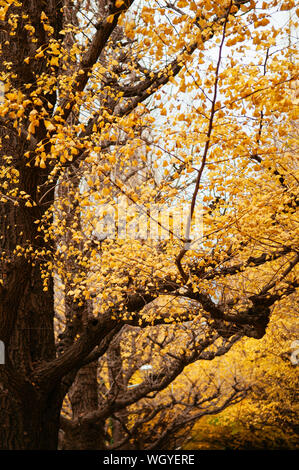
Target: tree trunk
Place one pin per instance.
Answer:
(83, 394)
(29, 417)
(28, 426)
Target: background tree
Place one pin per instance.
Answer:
(83, 81)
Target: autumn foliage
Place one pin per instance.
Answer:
(148, 216)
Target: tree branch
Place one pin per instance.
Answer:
(104, 30)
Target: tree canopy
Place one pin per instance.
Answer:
(148, 209)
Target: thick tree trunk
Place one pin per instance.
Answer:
(84, 398)
(28, 426)
(29, 416)
(83, 394)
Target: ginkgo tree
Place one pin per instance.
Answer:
(164, 104)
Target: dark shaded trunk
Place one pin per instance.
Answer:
(28, 425)
(29, 416)
(83, 394)
(84, 399)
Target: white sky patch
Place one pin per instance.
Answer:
(1, 92)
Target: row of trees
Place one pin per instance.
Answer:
(162, 104)
(268, 417)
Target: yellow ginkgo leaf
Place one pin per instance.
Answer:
(49, 126)
(54, 61)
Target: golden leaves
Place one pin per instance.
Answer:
(287, 5)
(110, 18)
(49, 125)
